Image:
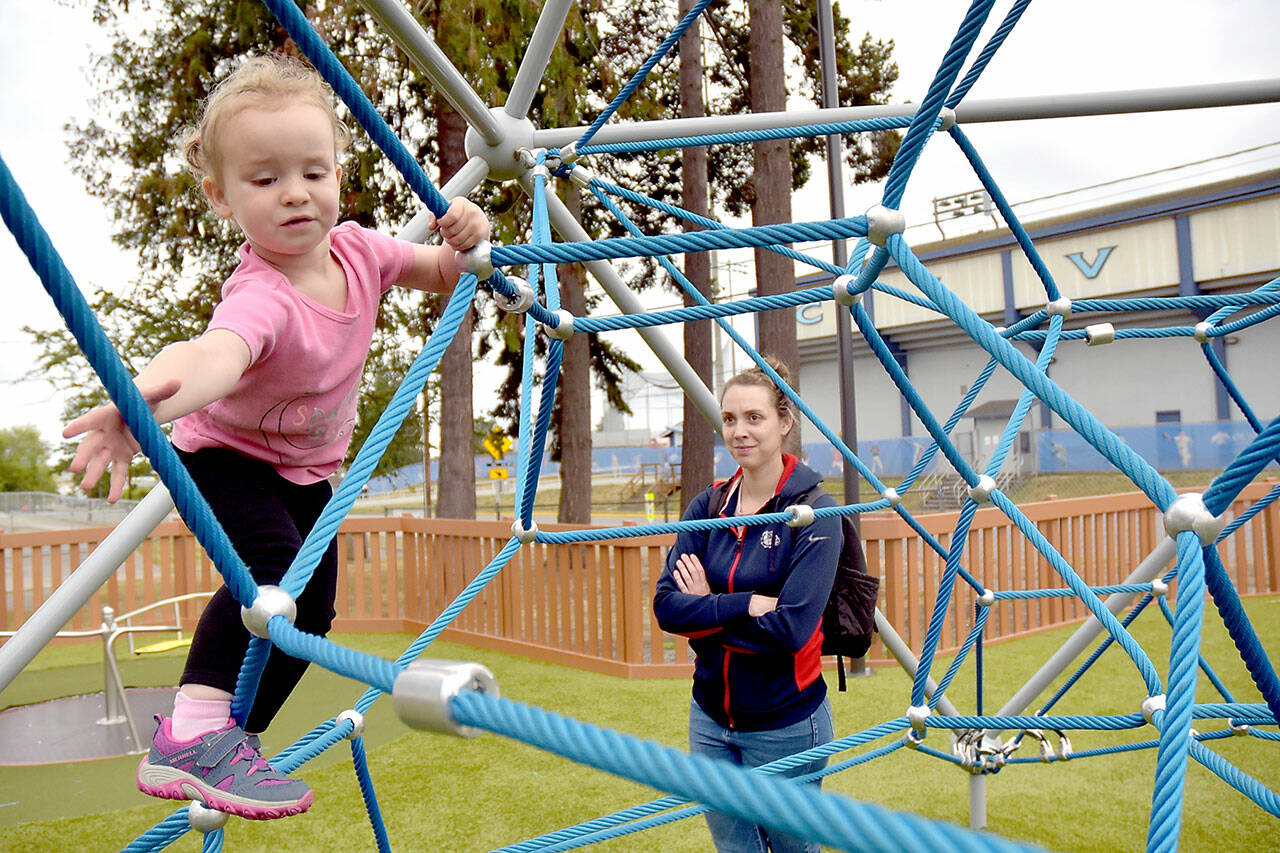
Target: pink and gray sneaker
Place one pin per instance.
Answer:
(222, 769)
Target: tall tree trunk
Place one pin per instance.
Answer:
(457, 468)
(575, 393)
(771, 182)
(698, 439)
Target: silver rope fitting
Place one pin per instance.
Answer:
(1152, 704)
(1064, 746)
(569, 153)
(801, 515)
(526, 158)
(1099, 334)
(423, 692)
(525, 535)
(523, 299)
(883, 222)
(1060, 307)
(479, 259)
(891, 495)
(356, 719)
(981, 491)
(948, 117)
(540, 171)
(1202, 331)
(916, 715)
(205, 819)
(1159, 588)
(841, 291)
(1188, 512)
(1239, 728)
(987, 598)
(563, 330)
(272, 601)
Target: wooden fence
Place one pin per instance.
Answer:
(588, 604)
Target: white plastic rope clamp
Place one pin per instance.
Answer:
(479, 259)
(564, 329)
(521, 302)
(1060, 307)
(204, 819)
(1152, 704)
(981, 491)
(524, 534)
(357, 722)
(1188, 512)
(424, 691)
(841, 293)
(883, 222)
(272, 601)
(1099, 334)
(801, 515)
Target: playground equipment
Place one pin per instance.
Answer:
(463, 699)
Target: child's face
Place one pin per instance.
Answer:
(278, 178)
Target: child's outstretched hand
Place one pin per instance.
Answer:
(107, 442)
(463, 225)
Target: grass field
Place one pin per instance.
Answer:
(441, 793)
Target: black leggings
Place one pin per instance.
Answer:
(266, 517)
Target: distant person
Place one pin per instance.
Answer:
(264, 402)
(750, 600)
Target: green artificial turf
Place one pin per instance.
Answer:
(440, 793)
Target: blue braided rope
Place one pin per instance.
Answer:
(818, 263)
(369, 795)
(1225, 380)
(1246, 641)
(213, 841)
(709, 311)
(1073, 580)
(1175, 721)
(971, 641)
(1208, 670)
(942, 603)
(1097, 653)
(1242, 782)
(1166, 303)
(689, 241)
(1023, 406)
(643, 72)
(589, 832)
(1223, 313)
(845, 451)
(162, 834)
(362, 109)
(1244, 322)
(1246, 516)
(1024, 594)
(922, 126)
(1243, 469)
(353, 664)
(1082, 722)
(313, 743)
(993, 44)
(742, 136)
(1089, 427)
(1010, 218)
(388, 423)
(248, 677)
(34, 242)
(797, 809)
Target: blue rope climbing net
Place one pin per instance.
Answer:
(1196, 524)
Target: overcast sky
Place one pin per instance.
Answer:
(1059, 47)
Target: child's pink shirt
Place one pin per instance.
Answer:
(295, 405)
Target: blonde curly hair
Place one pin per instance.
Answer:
(257, 81)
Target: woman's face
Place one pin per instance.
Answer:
(752, 428)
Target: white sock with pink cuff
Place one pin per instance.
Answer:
(195, 717)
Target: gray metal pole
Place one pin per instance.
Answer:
(91, 574)
(907, 660)
(533, 65)
(1146, 571)
(431, 61)
(570, 229)
(839, 253)
(972, 112)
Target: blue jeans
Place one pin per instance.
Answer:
(751, 749)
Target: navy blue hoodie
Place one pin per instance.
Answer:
(755, 674)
